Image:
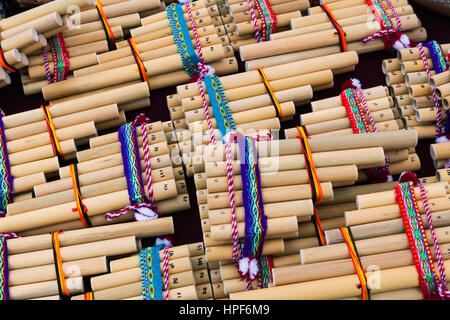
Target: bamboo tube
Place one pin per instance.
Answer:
(124, 74)
(330, 269)
(85, 267)
(283, 20)
(418, 35)
(347, 4)
(393, 226)
(220, 253)
(414, 53)
(439, 79)
(129, 93)
(443, 175)
(41, 25)
(20, 40)
(365, 247)
(310, 41)
(43, 289)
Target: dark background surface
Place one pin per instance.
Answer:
(187, 224)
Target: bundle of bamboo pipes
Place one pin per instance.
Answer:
(412, 91)
(84, 38)
(291, 214)
(83, 253)
(249, 102)
(382, 246)
(103, 187)
(187, 275)
(329, 117)
(23, 33)
(314, 35)
(163, 69)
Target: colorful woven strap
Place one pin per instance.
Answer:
(316, 188)
(6, 179)
(268, 18)
(440, 65)
(380, 14)
(89, 295)
(346, 234)
(152, 285)
(5, 63)
(4, 287)
(339, 31)
(354, 111)
(145, 208)
(60, 55)
(81, 208)
(265, 274)
(57, 151)
(269, 90)
(255, 219)
(106, 27)
(137, 57)
(62, 286)
(182, 38)
(219, 103)
(412, 220)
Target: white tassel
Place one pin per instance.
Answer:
(244, 266)
(356, 83)
(398, 45)
(254, 269)
(144, 214)
(389, 178)
(405, 40)
(165, 241)
(442, 139)
(210, 71)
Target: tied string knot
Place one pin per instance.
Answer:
(203, 70)
(392, 39)
(9, 235)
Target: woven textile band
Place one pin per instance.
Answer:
(255, 219)
(420, 249)
(270, 92)
(182, 38)
(219, 103)
(339, 31)
(266, 275)
(268, 18)
(316, 188)
(89, 295)
(6, 179)
(382, 17)
(437, 56)
(137, 57)
(5, 63)
(61, 63)
(354, 111)
(4, 286)
(152, 284)
(62, 287)
(81, 208)
(346, 234)
(57, 151)
(106, 27)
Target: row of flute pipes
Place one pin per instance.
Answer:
(411, 89)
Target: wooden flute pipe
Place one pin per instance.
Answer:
(20, 40)
(110, 184)
(124, 74)
(296, 192)
(63, 212)
(335, 268)
(44, 289)
(439, 79)
(409, 54)
(134, 291)
(415, 66)
(418, 35)
(84, 267)
(318, 39)
(129, 60)
(114, 10)
(83, 61)
(334, 61)
(243, 15)
(394, 226)
(116, 279)
(347, 4)
(225, 252)
(120, 95)
(427, 115)
(110, 247)
(103, 113)
(299, 208)
(373, 105)
(41, 25)
(366, 247)
(371, 200)
(367, 16)
(277, 6)
(387, 140)
(289, 177)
